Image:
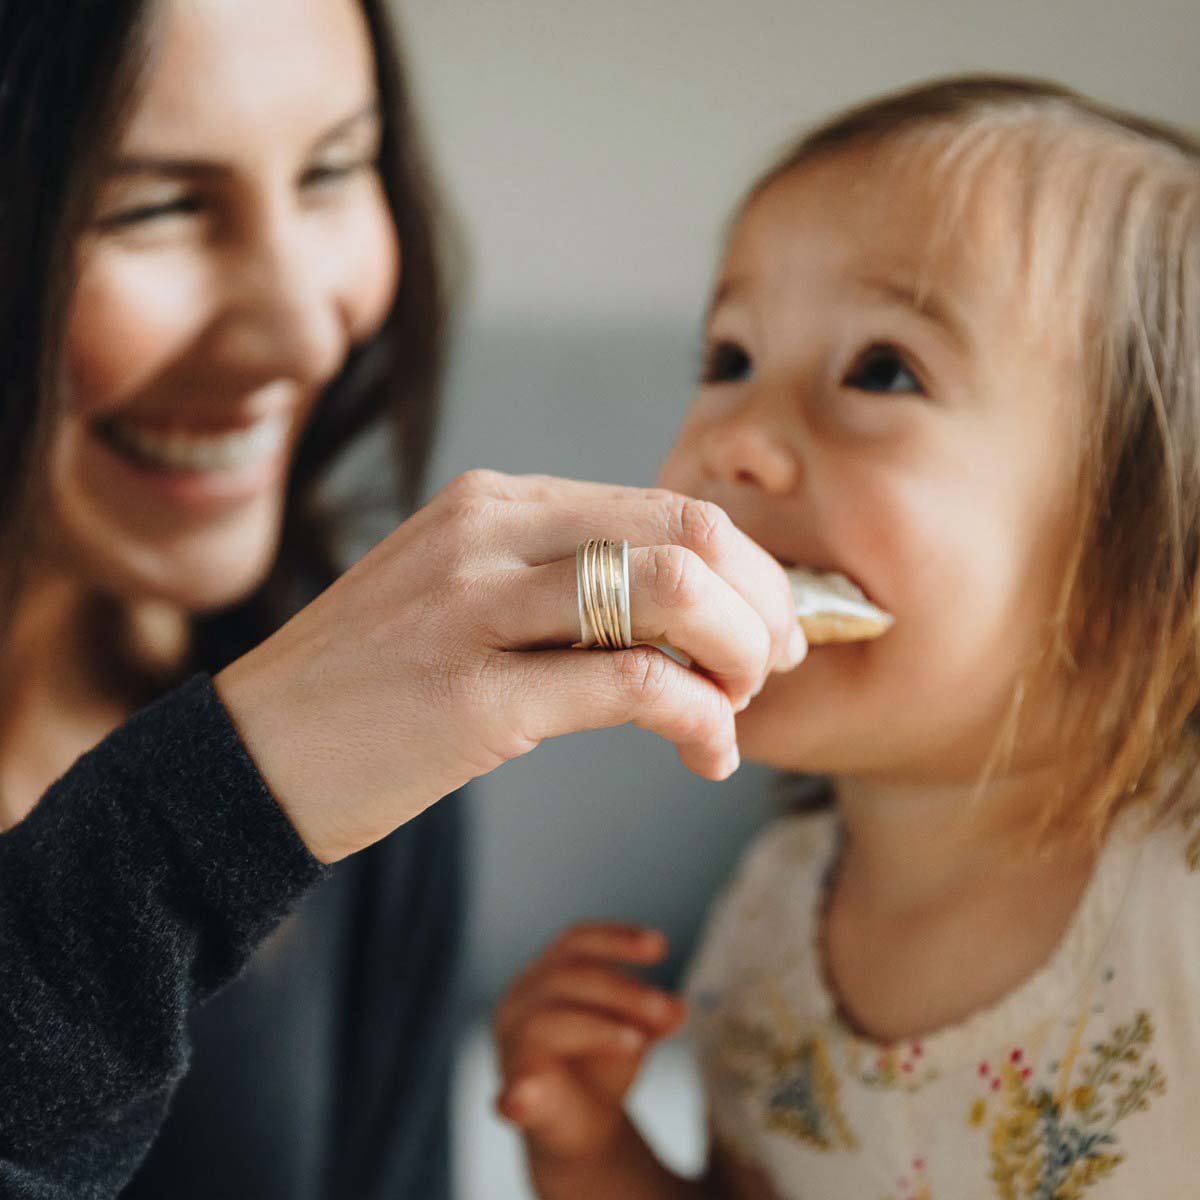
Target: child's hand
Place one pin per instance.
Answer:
(572, 1033)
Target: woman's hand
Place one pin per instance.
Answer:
(444, 651)
(572, 1033)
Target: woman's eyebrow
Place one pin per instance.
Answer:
(202, 168)
(156, 164)
(371, 111)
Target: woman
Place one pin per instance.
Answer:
(218, 265)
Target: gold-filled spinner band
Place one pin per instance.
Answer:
(602, 584)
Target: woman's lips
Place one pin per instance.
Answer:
(184, 448)
(202, 474)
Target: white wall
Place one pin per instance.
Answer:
(594, 147)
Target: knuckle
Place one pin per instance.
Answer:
(642, 672)
(660, 495)
(479, 481)
(703, 526)
(469, 510)
(673, 576)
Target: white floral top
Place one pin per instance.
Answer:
(1082, 1084)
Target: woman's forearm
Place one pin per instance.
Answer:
(138, 885)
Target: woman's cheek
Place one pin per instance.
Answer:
(368, 252)
(130, 315)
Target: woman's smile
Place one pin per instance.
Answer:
(196, 466)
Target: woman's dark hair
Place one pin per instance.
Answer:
(69, 72)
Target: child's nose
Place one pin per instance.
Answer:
(750, 455)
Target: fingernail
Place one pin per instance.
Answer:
(733, 760)
(798, 646)
(652, 939)
(630, 1039)
(662, 1008)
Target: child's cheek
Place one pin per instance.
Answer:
(955, 571)
(681, 470)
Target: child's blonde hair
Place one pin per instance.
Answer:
(1105, 224)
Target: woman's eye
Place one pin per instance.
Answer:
(882, 370)
(320, 176)
(145, 214)
(726, 362)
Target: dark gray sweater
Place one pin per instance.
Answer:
(141, 885)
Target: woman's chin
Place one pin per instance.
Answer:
(201, 572)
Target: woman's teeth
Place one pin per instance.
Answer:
(180, 450)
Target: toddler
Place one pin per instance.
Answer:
(953, 352)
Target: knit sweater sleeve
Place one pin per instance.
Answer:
(140, 883)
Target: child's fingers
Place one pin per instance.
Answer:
(549, 1034)
(607, 942)
(558, 1114)
(610, 941)
(603, 1053)
(598, 988)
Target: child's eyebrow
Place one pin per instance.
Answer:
(926, 302)
(725, 290)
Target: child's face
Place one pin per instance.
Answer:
(876, 408)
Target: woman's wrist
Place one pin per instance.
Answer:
(267, 726)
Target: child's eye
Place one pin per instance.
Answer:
(882, 370)
(725, 362)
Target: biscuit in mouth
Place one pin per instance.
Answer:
(832, 609)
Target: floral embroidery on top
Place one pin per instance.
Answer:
(803, 1097)
(915, 1186)
(1054, 1143)
(789, 1071)
(893, 1067)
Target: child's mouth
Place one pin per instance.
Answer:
(831, 608)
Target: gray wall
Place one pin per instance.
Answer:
(595, 148)
(593, 151)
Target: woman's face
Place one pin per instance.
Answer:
(240, 246)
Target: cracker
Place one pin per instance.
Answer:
(831, 609)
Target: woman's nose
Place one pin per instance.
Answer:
(286, 318)
(745, 452)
